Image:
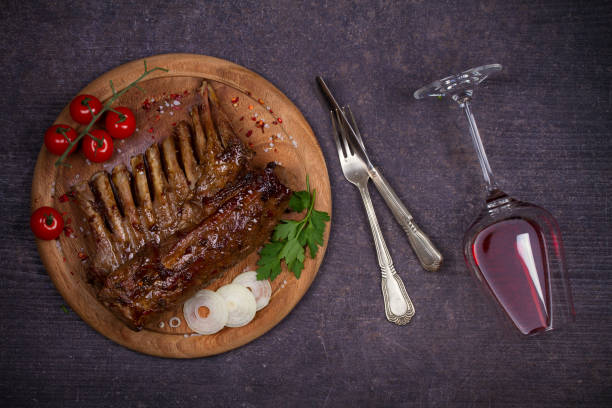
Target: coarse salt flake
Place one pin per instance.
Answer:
(177, 103)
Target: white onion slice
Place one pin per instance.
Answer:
(261, 289)
(174, 322)
(240, 303)
(217, 316)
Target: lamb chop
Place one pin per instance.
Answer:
(163, 275)
(177, 221)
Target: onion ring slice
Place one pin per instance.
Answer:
(240, 303)
(261, 289)
(218, 313)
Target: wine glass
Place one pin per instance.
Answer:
(514, 248)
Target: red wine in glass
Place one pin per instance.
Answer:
(511, 258)
(514, 248)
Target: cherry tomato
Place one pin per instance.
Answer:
(46, 223)
(93, 150)
(58, 137)
(120, 126)
(79, 110)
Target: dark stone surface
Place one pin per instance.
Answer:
(546, 124)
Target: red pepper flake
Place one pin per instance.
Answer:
(173, 123)
(69, 221)
(64, 198)
(275, 151)
(68, 231)
(146, 105)
(260, 124)
(260, 101)
(83, 256)
(271, 111)
(279, 120)
(249, 133)
(150, 130)
(186, 92)
(65, 261)
(253, 118)
(275, 123)
(235, 99)
(250, 144)
(157, 118)
(242, 118)
(250, 107)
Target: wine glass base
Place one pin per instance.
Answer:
(461, 86)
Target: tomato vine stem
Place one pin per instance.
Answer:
(105, 108)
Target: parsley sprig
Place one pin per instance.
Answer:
(290, 237)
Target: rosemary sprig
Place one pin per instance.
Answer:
(105, 108)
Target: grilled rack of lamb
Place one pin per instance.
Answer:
(178, 220)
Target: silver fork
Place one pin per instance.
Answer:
(398, 306)
(427, 254)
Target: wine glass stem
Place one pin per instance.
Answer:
(487, 173)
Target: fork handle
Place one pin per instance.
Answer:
(398, 306)
(428, 255)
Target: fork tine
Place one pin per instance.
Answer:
(336, 137)
(354, 125)
(347, 147)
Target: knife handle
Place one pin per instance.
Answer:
(428, 255)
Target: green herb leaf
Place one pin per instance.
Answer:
(290, 237)
(269, 261)
(300, 201)
(291, 251)
(287, 229)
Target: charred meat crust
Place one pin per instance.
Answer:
(190, 208)
(170, 188)
(166, 274)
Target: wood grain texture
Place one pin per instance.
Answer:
(165, 99)
(546, 123)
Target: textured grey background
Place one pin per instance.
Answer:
(546, 124)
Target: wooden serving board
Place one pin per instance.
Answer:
(284, 136)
